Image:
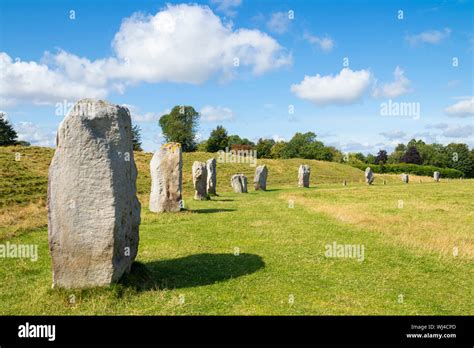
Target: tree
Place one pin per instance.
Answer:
(461, 158)
(8, 135)
(278, 149)
(382, 157)
(359, 156)
(202, 146)
(264, 148)
(218, 140)
(370, 159)
(137, 138)
(294, 147)
(411, 155)
(180, 126)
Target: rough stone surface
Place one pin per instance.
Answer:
(303, 175)
(239, 183)
(200, 181)
(436, 176)
(405, 178)
(211, 166)
(369, 176)
(93, 210)
(166, 179)
(260, 179)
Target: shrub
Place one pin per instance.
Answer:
(412, 169)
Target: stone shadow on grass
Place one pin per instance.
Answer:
(211, 210)
(190, 271)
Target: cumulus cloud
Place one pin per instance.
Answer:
(463, 108)
(227, 7)
(437, 126)
(394, 135)
(181, 43)
(347, 87)
(137, 116)
(459, 131)
(429, 36)
(35, 135)
(400, 86)
(211, 113)
(37, 83)
(279, 22)
(325, 43)
(277, 138)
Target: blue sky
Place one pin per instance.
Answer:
(152, 55)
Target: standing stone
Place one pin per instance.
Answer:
(384, 181)
(166, 179)
(93, 210)
(260, 179)
(211, 176)
(239, 183)
(436, 176)
(369, 176)
(344, 183)
(405, 178)
(200, 181)
(303, 175)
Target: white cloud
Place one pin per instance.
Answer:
(278, 22)
(437, 126)
(182, 43)
(35, 135)
(347, 87)
(400, 86)
(278, 138)
(137, 116)
(216, 113)
(325, 43)
(38, 84)
(463, 108)
(429, 36)
(394, 135)
(459, 131)
(228, 7)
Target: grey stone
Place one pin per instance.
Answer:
(166, 168)
(405, 178)
(200, 181)
(93, 210)
(369, 176)
(239, 183)
(436, 176)
(211, 166)
(304, 172)
(260, 179)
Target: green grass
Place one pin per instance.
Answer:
(186, 263)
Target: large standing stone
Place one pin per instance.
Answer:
(405, 178)
(166, 179)
(436, 176)
(93, 210)
(303, 175)
(260, 179)
(211, 176)
(200, 181)
(239, 183)
(369, 176)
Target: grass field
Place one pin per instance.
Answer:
(261, 252)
